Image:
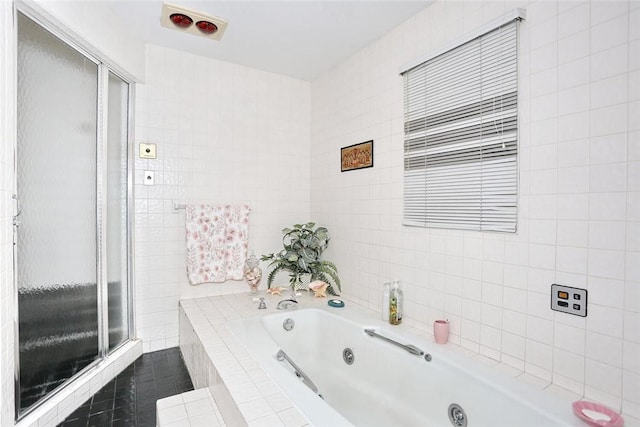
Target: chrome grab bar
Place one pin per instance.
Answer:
(281, 355)
(408, 347)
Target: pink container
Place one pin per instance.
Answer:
(441, 331)
(597, 415)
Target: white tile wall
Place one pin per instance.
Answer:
(225, 134)
(578, 208)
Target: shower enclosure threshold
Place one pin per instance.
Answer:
(62, 402)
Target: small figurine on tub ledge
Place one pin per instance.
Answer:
(319, 288)
(276, 290)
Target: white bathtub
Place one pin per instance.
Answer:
(387, 385)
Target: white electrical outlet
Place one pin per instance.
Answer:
(148, 178)
(569, 300)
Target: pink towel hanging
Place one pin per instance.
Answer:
(217, 240)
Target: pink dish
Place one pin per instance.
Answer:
(597, 415)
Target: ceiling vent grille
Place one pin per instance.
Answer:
(189, 21)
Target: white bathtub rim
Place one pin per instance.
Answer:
(264, 350)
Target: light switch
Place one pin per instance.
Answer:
(148, 178)
(569, 300)
(147, 151)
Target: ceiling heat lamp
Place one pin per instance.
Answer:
(207, 27)
(182, 19)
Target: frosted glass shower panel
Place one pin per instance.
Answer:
(117, 268)
(56, 241)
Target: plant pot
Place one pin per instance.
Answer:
(302, 282)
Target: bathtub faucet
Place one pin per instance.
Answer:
(287, 304)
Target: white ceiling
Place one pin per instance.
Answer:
(298, 38)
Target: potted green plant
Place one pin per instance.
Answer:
(302, 248)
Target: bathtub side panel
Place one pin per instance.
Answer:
(203, 373)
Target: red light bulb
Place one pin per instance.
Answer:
(207, 27)
(181, 20)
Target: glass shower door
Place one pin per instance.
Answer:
(117, 238)
(56, 240)
(71, 255)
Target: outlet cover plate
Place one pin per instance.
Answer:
(147, 151)
(569, 300)
(149, 178)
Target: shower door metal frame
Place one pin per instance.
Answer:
(101, 210)
(28, 10)
(104, 70)
(32, 12)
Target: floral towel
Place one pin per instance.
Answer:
(216, 242)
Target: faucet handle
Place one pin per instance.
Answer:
(262, 305)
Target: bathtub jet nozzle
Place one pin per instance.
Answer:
(457, 416)
(288, 324)
(348, 356)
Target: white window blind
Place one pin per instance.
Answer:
(460, 147)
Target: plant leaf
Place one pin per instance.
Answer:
(302, 249)
(273, 273)
(303, 264)
(309, 254)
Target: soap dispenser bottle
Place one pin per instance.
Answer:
(386, 294)
(396, 301)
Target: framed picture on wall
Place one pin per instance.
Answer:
(356, 156)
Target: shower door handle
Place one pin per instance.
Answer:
(16, 221)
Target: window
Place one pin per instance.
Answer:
(461, 128)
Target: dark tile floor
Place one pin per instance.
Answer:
(130, 398)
